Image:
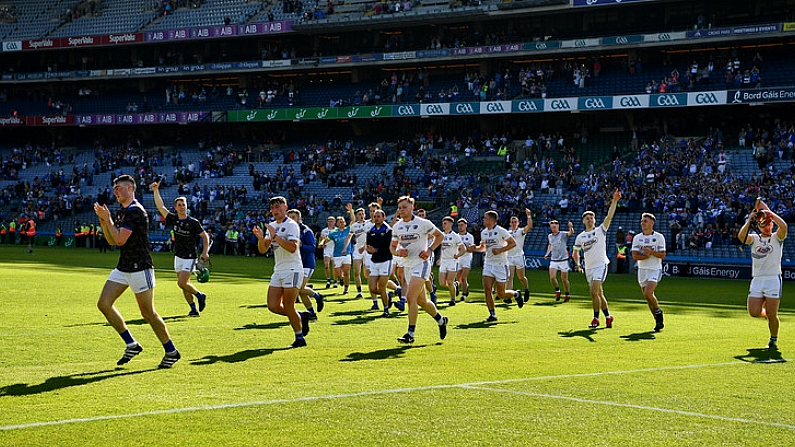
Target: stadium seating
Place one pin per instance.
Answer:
(114, 17)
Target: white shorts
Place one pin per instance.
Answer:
(516, 261)
(448, 265)
(308, 273)
(498, 272)
(398, 261)
(596, 274)
(646, 276)
(328, 251)
(339, 261)
(765, 287)
(356, 254)
(380, 268)
(137, 281)
(563, 266)
(421, 269)
(465, 262)
(287, 279)
(183, 265)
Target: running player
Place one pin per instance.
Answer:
(559, 252)
(308, 261)
(452, 249)
(496, 242)
(648, 248)
(328, 250)
(464, 262)
(516, 254)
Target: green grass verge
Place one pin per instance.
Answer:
(537, 377)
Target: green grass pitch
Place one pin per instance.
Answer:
(537, 377)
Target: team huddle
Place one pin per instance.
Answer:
(397, 260)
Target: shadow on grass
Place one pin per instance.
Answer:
(585, 333)
(381, 354)
(483, 324)
(136, 322)
(61, 382)
(548, 303)
(350, 313)
(274, 325)
(648, 335)
(237, 357)
(761, 355)
(253, 306)
(360, 319)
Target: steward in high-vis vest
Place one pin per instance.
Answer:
(58, 236)
(30, 232)
(3, 232)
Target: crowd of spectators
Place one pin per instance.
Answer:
(691, 185)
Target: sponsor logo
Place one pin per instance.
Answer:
(406, 111)
(10, 121)
(667, 100)
(737, 96)
(532, 263)
(251, 116)
(541, 46)
(322, 114)
(580, 43)
(664, 36)
(434, 109)
(272, 115)
(629, 101)
(559, 104)
(53, 120)
(527, 106)
(12, 46)
(594, 103)
(85, 40)
(129, 37)
(376, 111)
(706, 98)
(300, 114)
(45, 43)
(464, 108)
(494, 107)
(353, 112)
(622, 40)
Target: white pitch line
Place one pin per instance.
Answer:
(360, 394)
(633, 406)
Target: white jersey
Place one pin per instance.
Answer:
(656, 242)
(766, 255)
(594, 247)
(359, 231)
(413, 236)
(468, 240)
(495, 238)
(518, 235)
(329, 247)
(283, 259)
(450, 245)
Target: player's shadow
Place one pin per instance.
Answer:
(136, 322)
(142, 322)
(61, 382)
(483, 324)
(359, 319)
(761, 355)
(254, 306)
(350, 313)
(585, 333)
(236, 357)
(274, 325)
(548, 303)
(381, 354)
(638, 336)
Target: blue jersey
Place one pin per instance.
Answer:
(308, 247)
(339, 237)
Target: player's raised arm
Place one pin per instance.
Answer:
(529, 225)
(612, 210)
(161, 207)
